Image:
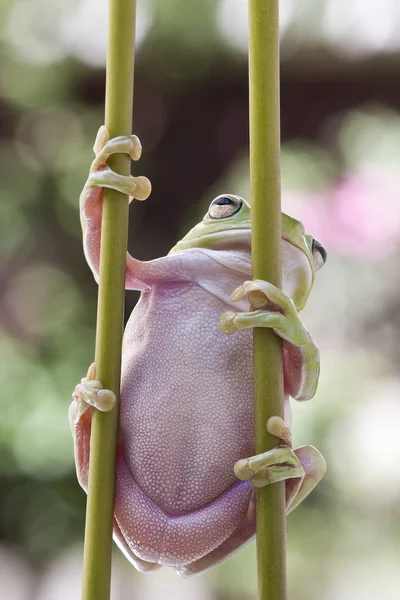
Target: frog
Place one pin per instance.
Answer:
(186, 468)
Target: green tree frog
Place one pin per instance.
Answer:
(185, 471)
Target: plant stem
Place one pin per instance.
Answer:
(114, 233)
(266, 250)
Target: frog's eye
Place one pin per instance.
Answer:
(319, 254)
(224, 206)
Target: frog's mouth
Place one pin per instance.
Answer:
(217, 240)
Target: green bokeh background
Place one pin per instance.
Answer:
(341, 150)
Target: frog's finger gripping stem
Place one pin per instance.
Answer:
(103, 147)
(272, 308)
(101, 175)
(135, 187)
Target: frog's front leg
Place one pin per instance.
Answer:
(273, 309)
(101, 176)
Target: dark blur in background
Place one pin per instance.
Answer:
(340, 157)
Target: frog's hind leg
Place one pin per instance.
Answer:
(244, 533)
(301, 469)
(81, 424)
(90, 392)
(314, 466)
(141, 565)
(80, 418)
(310, 469)
(296, 490)
(278, 464)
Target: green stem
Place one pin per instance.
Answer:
(266, 250)
(114, 233)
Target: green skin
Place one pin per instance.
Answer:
(270, 307)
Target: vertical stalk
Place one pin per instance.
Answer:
(114, 232)
(266, 249)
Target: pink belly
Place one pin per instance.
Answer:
(186, 401)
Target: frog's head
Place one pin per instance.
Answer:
(227, 226)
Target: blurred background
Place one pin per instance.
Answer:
(340, 156)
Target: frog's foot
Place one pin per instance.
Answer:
(275, 465)
(311, 460)
(296, 490)
(102, 176)
(87, 394)
(277, 427)
(314, 466)
(90, 392)
(272, 308)
(301, 469)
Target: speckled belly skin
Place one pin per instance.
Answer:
(186, 416)
(177, 495)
